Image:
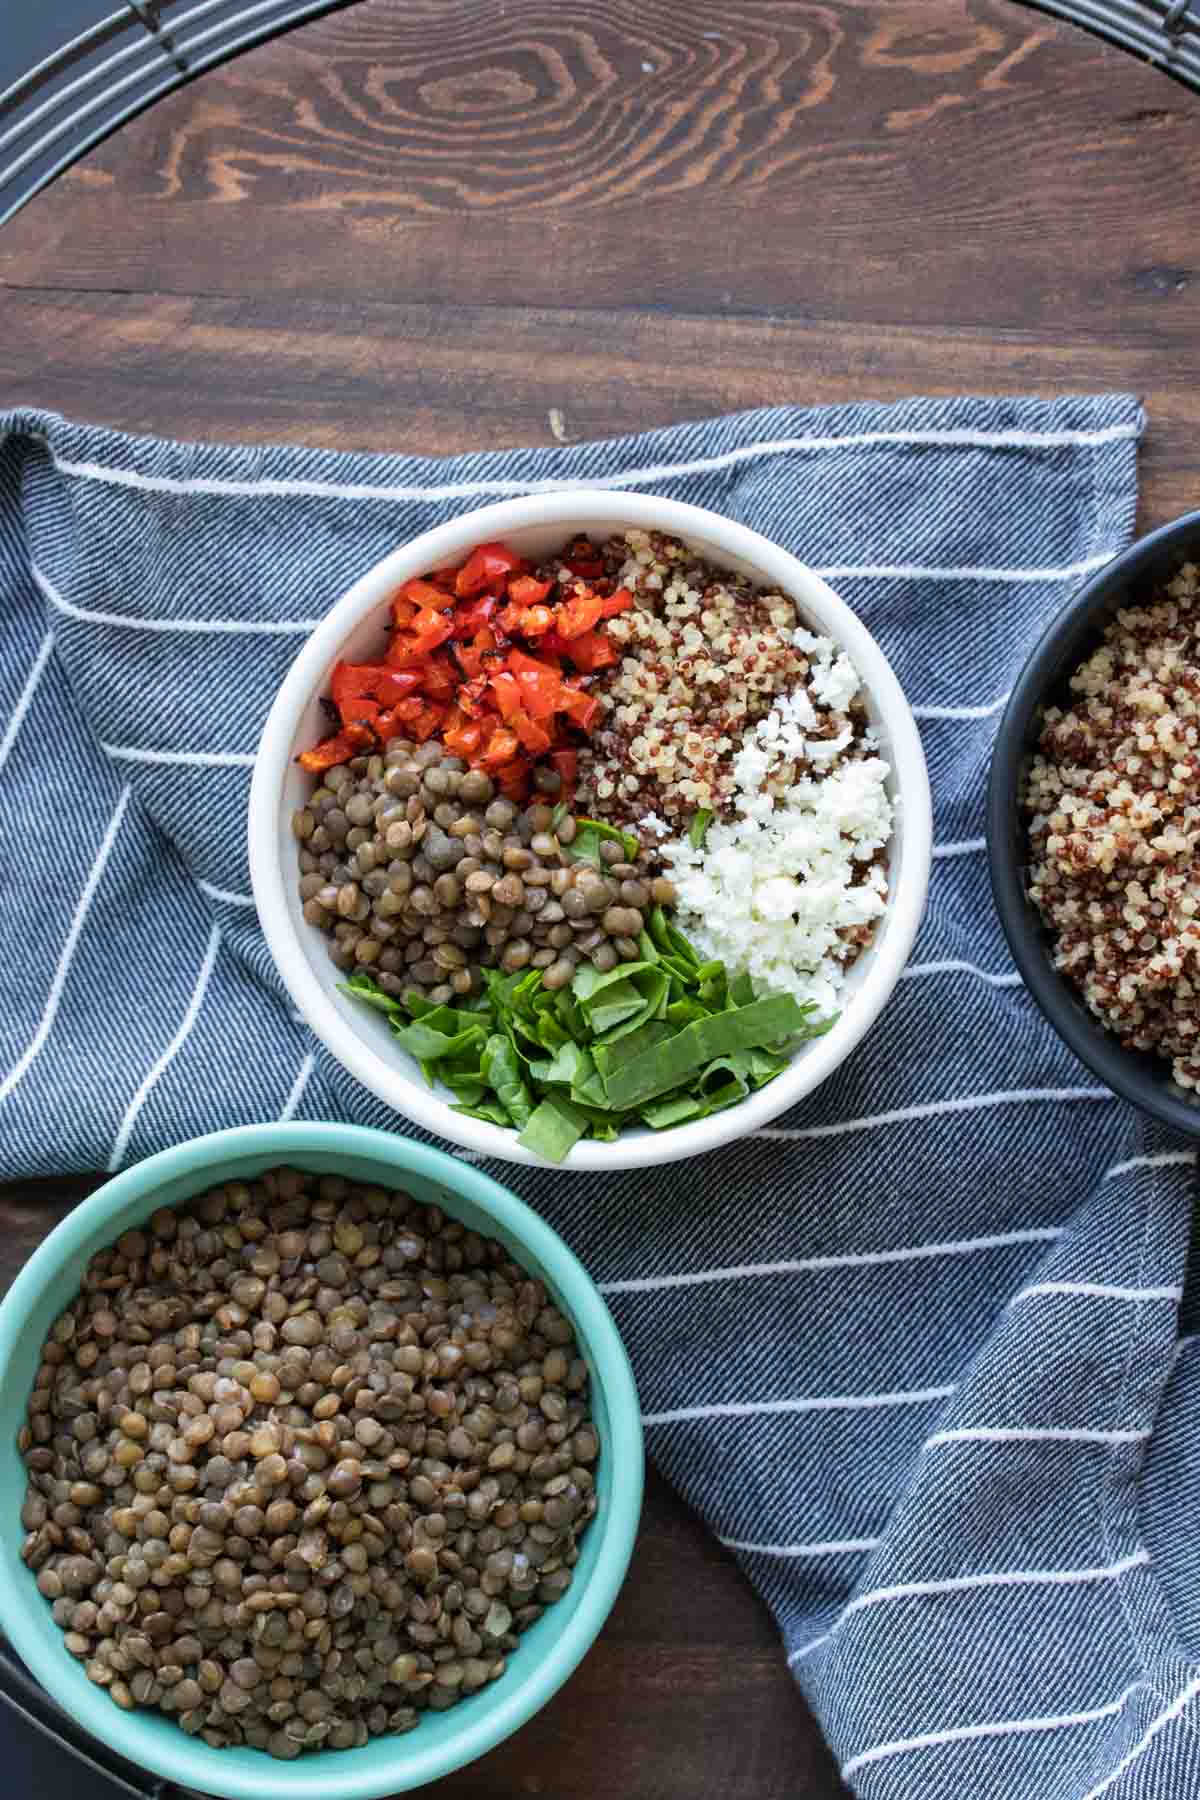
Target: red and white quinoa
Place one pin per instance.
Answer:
(1113, 801)
(707, 652)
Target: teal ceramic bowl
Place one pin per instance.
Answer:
(548, 1652)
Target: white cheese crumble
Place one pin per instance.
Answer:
(788, 890)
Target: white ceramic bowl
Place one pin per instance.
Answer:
(354, 627)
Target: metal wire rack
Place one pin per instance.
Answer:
(79, 68)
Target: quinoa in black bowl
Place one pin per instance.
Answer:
(1133, 579)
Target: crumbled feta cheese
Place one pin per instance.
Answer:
(788, 888)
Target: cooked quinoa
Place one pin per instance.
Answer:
(1114, 827)
(708, 651)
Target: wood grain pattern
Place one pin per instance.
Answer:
(428, 226)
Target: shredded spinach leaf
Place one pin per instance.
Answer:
(658, 1042)
(555, 1127)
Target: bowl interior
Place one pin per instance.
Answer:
(442, 1741)
(1136, 1075)
(393, 1074)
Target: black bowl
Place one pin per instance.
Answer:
(1130, 579)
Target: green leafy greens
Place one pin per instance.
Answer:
(659, 1042)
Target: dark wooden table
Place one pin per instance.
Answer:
(447, 224)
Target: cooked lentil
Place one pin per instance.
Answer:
(1114, 827)
(298, 1539)
(441, 878)
(707, 652)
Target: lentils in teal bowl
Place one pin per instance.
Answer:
(319, 1494)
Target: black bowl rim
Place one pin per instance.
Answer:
(1135, 1076)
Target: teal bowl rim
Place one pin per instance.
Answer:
(194, 1764)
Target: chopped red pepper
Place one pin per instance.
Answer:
(581, 613)
(352, 740)
(481, 656)
(488, 565)
(462, 735)
(525, 621)
(502, 747)
(513, 781)
(582, 709)
(534, 737)
(439, 677)
(424, 594)
(527, 590)
(507, 694)
(565, 764)
(540, 685)
(592, 650)
(470, 619)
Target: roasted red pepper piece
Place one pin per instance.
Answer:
(534, 737)
(565, 763)
(359, 690)
(582, 612)
(525, 621)
(424, 595)
(582, 709)
(428, 632)
(513, 781)
(527, 590)
(540, 685)
(462, 735)
(502, 686)
(488, 566)
(592, 650)
(617, 602)
(428, 723)
(438, 677)
(352, 740)
(470, 619)
(503, 745)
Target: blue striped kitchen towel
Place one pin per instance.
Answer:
(916, 1353)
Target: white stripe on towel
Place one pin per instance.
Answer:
(952, 965)
(933, 1109)
(986, 711)
(1182, 1699)
(298, 1087)
(965, 847)
(964, 572)
(958, 1734)
(1164, 1159)
(1097, 1290)
(225, 895)
(176, 1044)
(1034, 1434)
(465, 490)
(756, 1409)
(200, 759)
(998, 1578)
(854, 1259)
(46, 1022)
(830, 1547)
(200, 627)
(26, 696)
(957, 1584)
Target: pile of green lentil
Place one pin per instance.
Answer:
(418, 871)
(305, 1458)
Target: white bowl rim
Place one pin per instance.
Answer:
(568, 507)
